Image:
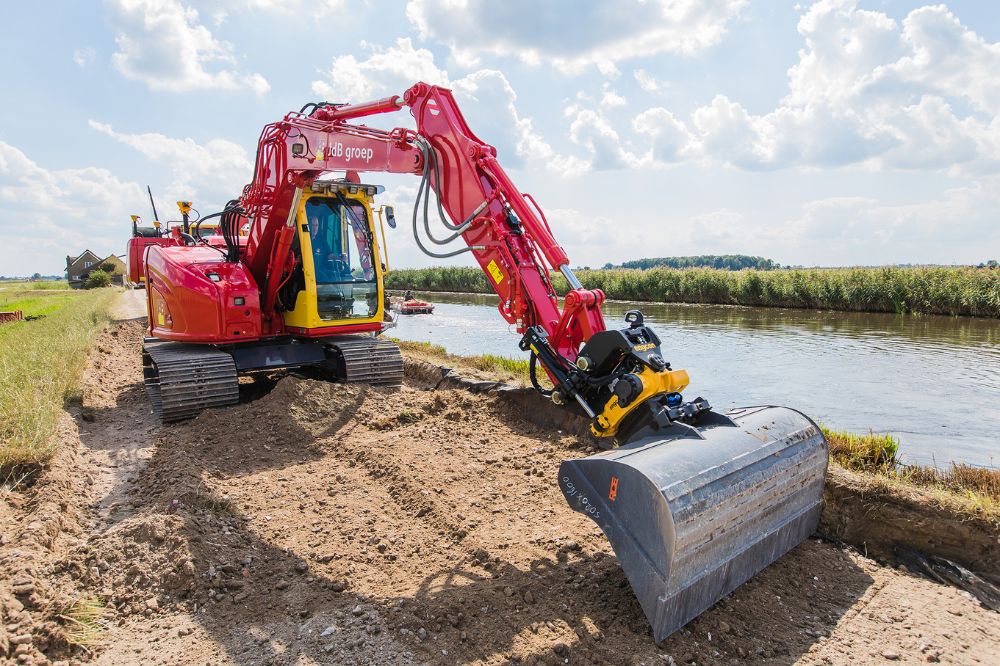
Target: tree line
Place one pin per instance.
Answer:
(725, 262)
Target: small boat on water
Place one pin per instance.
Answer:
(414, 306)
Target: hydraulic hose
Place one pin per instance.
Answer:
(431, 170)
(423, 192)
(533, 375)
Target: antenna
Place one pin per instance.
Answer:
(152, 203)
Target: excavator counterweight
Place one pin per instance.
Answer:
(693, 502)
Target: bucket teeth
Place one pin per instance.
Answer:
(694, 513)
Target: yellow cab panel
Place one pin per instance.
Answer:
(338, 279)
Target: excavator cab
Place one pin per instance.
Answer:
(338, 279)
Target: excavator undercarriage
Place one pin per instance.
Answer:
(184, 379)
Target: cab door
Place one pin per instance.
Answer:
(338, 280)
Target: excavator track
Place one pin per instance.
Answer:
(182, 380)
(360, 358)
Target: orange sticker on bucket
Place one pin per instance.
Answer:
(613, 492)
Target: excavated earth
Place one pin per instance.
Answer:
(321, 523)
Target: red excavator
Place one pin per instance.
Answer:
(693, 501)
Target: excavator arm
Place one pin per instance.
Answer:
(692, 501)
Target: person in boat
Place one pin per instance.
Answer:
(408, 296)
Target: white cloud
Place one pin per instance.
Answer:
(162, 44)
(486, 97)
(83, 57)
(47, 214)
(958, 224)
(592, 130)
(611, 99)
(951, 227)
(586, 34)
(321, 7)
(384, 71)
(921, 95)
(671, 139)
(590, 239)
(730, 134)
(211, 173)
(720, 231)
(648, 82)
(325, 7)
(665, 138)
(608, 69)
(488, 101)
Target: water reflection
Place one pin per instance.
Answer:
(934, 381)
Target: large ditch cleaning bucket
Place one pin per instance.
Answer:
(693, 512)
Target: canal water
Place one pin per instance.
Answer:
(932, 381)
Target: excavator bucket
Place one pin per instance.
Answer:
(692, 512)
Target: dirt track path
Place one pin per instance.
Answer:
(131, 305)
(325, 523)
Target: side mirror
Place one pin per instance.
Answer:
(390, 217)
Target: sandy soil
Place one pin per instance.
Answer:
(335, 524)
(131, 305)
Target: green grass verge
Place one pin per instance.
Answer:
(40, 364)
(510, 370)
(878, 453)
(933, 290)
(864, 453)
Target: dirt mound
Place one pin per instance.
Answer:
(142, 558)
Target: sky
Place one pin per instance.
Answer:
(836, 132)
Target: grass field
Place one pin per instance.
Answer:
(40, 364)
(40, 285)
(933, 290)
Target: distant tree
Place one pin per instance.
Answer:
(36, 276)
(97, 278)
(729, 262)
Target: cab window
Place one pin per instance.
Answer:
(343, 259)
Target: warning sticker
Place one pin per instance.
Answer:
(613, 492)
(495, 271)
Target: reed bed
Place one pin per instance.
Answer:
(864, 453)
(963, 291)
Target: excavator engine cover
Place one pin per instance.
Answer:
(692, 512)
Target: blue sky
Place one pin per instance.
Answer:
(818, 133)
